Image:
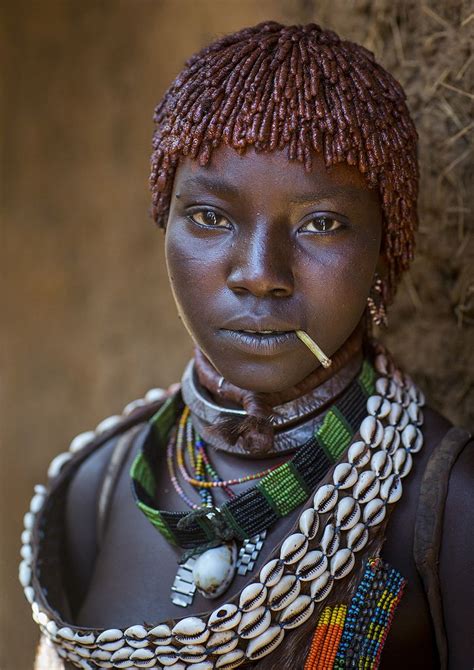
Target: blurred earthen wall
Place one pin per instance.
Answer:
(88, 322)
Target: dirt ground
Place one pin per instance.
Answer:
(88, 319)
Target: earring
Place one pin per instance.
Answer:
(376, 302)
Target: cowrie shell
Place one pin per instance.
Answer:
(330, 540)
(167, 655)
(382, 364)
(381, 464)
(325, 498)
(224, 618)
(101, 655)
(357, 537)
(155, 394)
(191, 630)
(391, 440)
(297, 612)
(284, 592)
(254, 623)
(385, 387)
(309, 523)
(347, 513)
(192, 653)
(36, 503)
(111, 639)
(205, 665)
(265, 643)
(391, 489)
(374, 512)
(311, 566)
(366, 487)
(322, 586)
(358, 454)
(85, 639)
(231, 660)
(143, 658)
(371, 431)
(160, 635)
(66, 633)
(344, 475)
(402, 462)
(417, 395)
(378, 406)
(271, 573)
(395, 415)
(121, 658)
(58, 463)
(135, 637)
(293, 548)
(221, 643)
(412, 439)
(252, 597)
(24, 574)
(81, 440)
(108, 423)
(342, 563)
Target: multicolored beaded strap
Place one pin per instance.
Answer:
(353, 636)
(276, 495)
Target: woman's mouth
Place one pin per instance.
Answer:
(261, 342)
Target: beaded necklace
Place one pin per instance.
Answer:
(275, 496)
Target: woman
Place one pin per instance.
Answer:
(287, 499)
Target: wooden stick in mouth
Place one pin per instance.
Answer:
(313, 347)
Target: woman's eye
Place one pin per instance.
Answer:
(209, 218)
(322, 224)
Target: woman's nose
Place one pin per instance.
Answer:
(261, 265)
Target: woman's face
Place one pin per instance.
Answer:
(257, 248)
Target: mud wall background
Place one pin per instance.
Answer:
(88, 322)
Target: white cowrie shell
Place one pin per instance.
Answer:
(121, 656)
(391, 489)
(191, 630)
(58, 463)
(29, 594)
(283, 593)
(330, 540)
(395, 414)
(382, 365)
(192, 653)
(344, 475)
(167, 655)
(160, 635)
(81, 440)
(26, 553)
(347, 513)
(342, 563)
(357, 537)
(254, 623)
(398, 378)
(374, 512)
(297, 612)
(26, 537)
(143, 658)
(224, 618)
(29, 520)
(101, 655)
(325, 498)
(51, 629)
(265, 643)
(108, 423)
(36, 503)
(110, 640)
(378, 406)
(366, 487)
(221, 643)
(24, 574)
(175, 666)
(381, 464)
(371, 431)
(417, 395)
(293, 548)
(402, 462)
(311, 566)
(322, 586)
(358, 454)
(412, 439)
(205, 665)
(85, 639)
(252, 597)
(133, 405)
(309, 523)
(385, 387)
(391, 440)
(271, 573)
(135, 636)
(155, 394)
(231, 660)
(415, 414)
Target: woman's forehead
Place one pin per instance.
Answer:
(230, 174)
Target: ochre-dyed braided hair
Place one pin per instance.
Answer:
(304, 89)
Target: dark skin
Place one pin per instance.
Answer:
(256, 257)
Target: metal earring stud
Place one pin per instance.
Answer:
(376, 302)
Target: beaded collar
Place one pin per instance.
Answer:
(276, 495)
(323, 549)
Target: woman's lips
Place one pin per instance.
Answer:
(263, 342)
